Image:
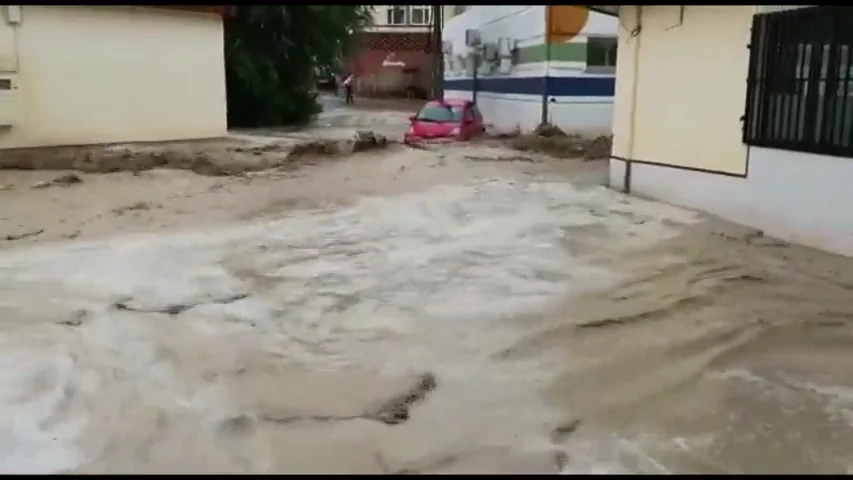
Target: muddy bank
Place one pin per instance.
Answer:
(39, 208)
(216, 157)
(551, 140)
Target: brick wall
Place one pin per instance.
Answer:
(373, 78)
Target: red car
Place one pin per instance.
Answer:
(445, 120)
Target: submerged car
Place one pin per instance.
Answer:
(445, 120)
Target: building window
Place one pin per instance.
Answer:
(459, 9)
(601, 53)
(420, 15)
(800, 81)
(397, 15)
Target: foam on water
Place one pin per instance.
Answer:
(417, 282)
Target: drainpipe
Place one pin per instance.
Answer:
(632, 115)
(438, 57)
(544, 108)
(475, 74)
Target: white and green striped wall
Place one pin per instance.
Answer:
(580, 97)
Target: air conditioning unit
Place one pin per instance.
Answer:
(13, 14)
(470, 64)
(447, 48)
(490, 52)
(460, 65)
(505, 46)
(506, 66)
(472, 37)
(487, 67)
(513, 52)
(9, 113)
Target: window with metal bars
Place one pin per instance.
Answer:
(420, 14)
(800, 81)
(396, 15)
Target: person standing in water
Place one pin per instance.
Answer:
(347, 83)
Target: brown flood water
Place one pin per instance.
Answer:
(721, 352)
(506, 322)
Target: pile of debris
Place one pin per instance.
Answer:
(552, 140)
(226, 156)
(361, 141)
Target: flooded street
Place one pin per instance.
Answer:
(473, 317)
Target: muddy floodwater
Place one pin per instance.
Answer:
(494, 325)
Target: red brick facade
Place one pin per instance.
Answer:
(399, 42)
(390, 64)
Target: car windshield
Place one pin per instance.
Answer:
(440, 113)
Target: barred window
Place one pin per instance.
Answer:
(396, 15)
(800, 82)
(420, 15)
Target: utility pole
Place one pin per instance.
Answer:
(438, 55)
(548, 36)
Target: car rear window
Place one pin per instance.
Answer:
(440, 113)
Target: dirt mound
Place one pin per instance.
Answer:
(363, 140)
(226, 156)
(552, 140)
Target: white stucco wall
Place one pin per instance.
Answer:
(795, 196)
(799, 197)
(513, 97)
(115, 74)
(683, 69)
(450, 11)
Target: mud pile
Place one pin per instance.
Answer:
(551, 140)
(227, 156)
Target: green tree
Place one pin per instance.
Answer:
(271, 53)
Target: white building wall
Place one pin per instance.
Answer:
(512, 97)
(450, 11)
(795, 196)
(799, 197)
(381, 24)
(86, 75)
